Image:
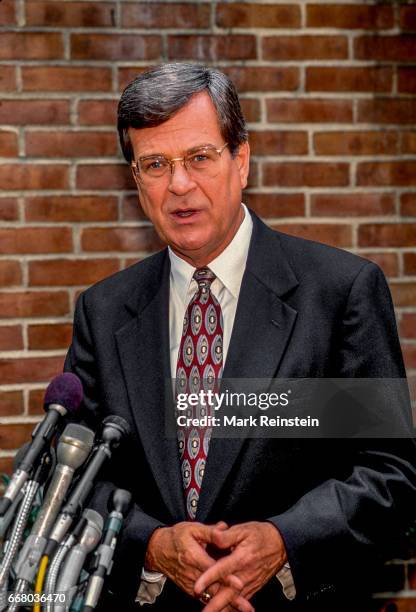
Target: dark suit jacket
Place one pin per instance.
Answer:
(305, 310)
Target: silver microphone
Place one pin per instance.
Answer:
(73, 449)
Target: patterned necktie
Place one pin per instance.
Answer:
(199, 367)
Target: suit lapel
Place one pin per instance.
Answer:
(143, 346)
(261, 332)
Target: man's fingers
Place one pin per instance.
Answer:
(198, 557)
(224, 538)
(216, 573)
(242, 605)
(228, 597)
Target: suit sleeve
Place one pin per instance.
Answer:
(342, 526)
(138, 526)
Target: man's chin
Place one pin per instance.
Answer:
(190, 250)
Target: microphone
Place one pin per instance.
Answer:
(115, 429)
(120, 502)
(55, 565)
(75, 558)
(73, 449)
(63, 395)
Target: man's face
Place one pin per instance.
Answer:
(196, 215)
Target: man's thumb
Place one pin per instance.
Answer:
(222, 538)
(221, 525)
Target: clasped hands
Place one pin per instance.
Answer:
(252, 553)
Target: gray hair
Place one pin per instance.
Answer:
(156, 95)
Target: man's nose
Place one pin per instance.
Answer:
(180, 180)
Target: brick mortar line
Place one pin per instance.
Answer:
(21, 209)
(69, 256)
(26, 402)
(212, 29)
(25, 335)
(25, 272)
(17, 420)
(390, 189)
(303, 15)
(33, 353)
(115, 78)
(21, 386)
(76, 238)
(290, 94)
(102, 255)
(212, 14)
(320, 128)
(118, 161)
(21, 12)
(34, 321)
(390, 219)
(72, 178)
(19, 79)
(258, 190)
(114, 254)
(353, 62)
(68, 129)
(75, 163)
(401, 263)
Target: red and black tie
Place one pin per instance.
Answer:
(199, 367)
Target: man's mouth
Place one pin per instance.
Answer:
(188, 212)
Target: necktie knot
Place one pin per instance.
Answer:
(204, 277)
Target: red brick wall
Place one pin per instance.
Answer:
(328, 90)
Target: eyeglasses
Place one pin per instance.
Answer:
(201, 161)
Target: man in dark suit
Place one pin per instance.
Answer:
(239, 524)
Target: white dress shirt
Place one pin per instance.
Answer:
(228, 268)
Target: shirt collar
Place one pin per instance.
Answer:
(228, 267)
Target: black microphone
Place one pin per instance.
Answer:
(63, 395)
(121, 503)
(115, 428)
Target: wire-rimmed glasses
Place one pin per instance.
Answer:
(202, 161)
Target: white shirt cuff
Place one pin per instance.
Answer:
(150, 587)
(285, 578)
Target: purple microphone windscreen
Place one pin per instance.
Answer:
(65, 390)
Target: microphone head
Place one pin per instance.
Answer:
(64, 390)
(118, 423)
(74, 445)
(120, 501)
(94, 517)
(92, 532)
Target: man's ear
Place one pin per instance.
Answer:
(242, 159)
